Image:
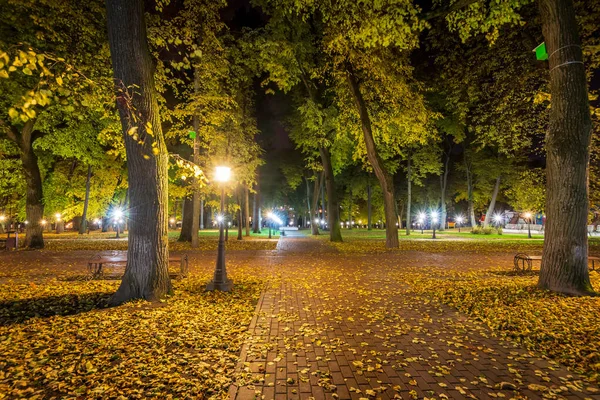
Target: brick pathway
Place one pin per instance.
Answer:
(331, 326)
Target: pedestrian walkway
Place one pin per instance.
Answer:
(332, 326)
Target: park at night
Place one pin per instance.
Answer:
(299, 199)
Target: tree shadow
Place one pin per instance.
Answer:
(20, 310)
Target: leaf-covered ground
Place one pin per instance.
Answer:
(347, 321)
(57, 339)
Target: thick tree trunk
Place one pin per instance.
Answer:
(409, 196)
(146, 273)
(186, 221)
(443, 186)
(564, 264)
(83, 225)
(34, 199)
(247, 209)
(492, 206)
(369, 210)
(384, 178)
(316, 189)
(333, 208)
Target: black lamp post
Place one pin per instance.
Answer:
(220, 280)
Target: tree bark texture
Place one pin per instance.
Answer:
(492, 206)
(34, 199)
(186, 221)
(409, 196)
(333, 208)
(384, 178)
(146, 273)
(564, 264)
(83, 225)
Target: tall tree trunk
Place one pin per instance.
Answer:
(34, 199)
(256, 213)
(316, 189)
(471, 209)
(490, 211)
(185, 235)
(83, 225)
(369, 210)
(323, 199)
(443, 186)
(146, 273)
(564, 264)
(247, 209)
(239, 199)
(409, 196)
(333, 208)
(196, 159)
(308, 201)
(350, 208)
(201, 214)
(384, 178)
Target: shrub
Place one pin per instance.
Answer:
(499, 230)
(488, 230)
(476, 230)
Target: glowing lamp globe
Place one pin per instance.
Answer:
(222, 174)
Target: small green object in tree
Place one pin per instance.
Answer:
(192, 134)
(540, 52)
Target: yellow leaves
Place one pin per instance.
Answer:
(12, 113)
(3, 73)
(59, 81)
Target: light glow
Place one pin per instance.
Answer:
(459, 219)
(222, 174)
(58, 216)
(498, 218)
(2, 217)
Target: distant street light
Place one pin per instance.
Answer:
(459, 220)
(422, 217)
(117, 217)
(498, 218)
(220, 280)
(434, 220)
(528, 216)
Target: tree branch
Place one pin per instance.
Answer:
(11, 131)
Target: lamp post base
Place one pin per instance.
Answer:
(222, 286)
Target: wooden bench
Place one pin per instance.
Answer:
(95, 264)
(526, 259)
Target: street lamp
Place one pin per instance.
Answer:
(528, 216)
(459, 220)
(270, 215)
(117, 218)
(220, 280)
(422, 217)
(434, 220)
(498, 219)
